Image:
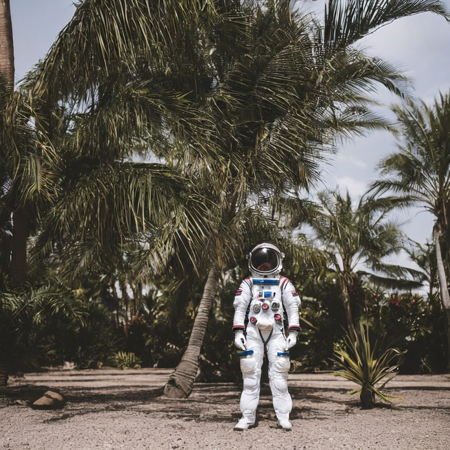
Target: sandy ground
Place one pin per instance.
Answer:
(113, 409)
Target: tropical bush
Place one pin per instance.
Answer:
(88, 344)
(124, 360)
(322, 320)
(24, 314)
(368, 362)
(419, 324)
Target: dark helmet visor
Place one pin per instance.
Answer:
(264, 260)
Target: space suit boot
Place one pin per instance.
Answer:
(247, 421)
(283, 422)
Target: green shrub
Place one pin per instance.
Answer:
(420, 322)
(367, 362)
(90, 344)
(124, 360)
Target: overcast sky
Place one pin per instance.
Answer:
(419, 45)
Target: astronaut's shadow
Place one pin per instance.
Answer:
(321, 409)
(266, 413)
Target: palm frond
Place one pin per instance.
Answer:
(347, 23)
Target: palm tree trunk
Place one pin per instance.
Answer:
(348, 310)
(366, 398)
(19, 246)
(125, 298)
(138, 298)
(6, 41)
(3, 375)
(444, 289)
(181, 382)
(5, 250)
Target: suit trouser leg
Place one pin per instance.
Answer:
(251, 375)
(278, 375)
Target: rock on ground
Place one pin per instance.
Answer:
(50, 400)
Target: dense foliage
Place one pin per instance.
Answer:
(138, 167)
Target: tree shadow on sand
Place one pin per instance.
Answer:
(209, 402)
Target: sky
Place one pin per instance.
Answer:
(418, 45)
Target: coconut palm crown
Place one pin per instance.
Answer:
(358, 238)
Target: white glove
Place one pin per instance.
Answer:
(239, 340)
(291, 340)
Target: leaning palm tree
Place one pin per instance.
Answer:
(420, 172)
(275, 93)
(357, 239)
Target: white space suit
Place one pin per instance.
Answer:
(263, 298)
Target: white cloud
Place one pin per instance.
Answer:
(345, 159)
(355, 188)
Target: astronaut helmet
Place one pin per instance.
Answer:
(265, 260)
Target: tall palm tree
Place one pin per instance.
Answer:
(356, 239)
(420, 172)
(20, 234)
(7, 71)
(26, 183)
(243, 97)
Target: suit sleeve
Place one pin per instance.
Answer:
(291, 302)
(242, 299)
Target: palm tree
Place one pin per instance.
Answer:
(420, 172)
(27, 174)
(100, 201)
(237, 97)
(271, 99)
(7, 71)
(19, 249)
(425, 258)
(357, 236)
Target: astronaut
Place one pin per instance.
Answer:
(262, 299)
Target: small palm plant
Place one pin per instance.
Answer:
(368, 363)
(124, 360)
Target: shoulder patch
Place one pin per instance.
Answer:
(238, 292)
(294, 294)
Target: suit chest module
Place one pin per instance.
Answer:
(266, 308)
